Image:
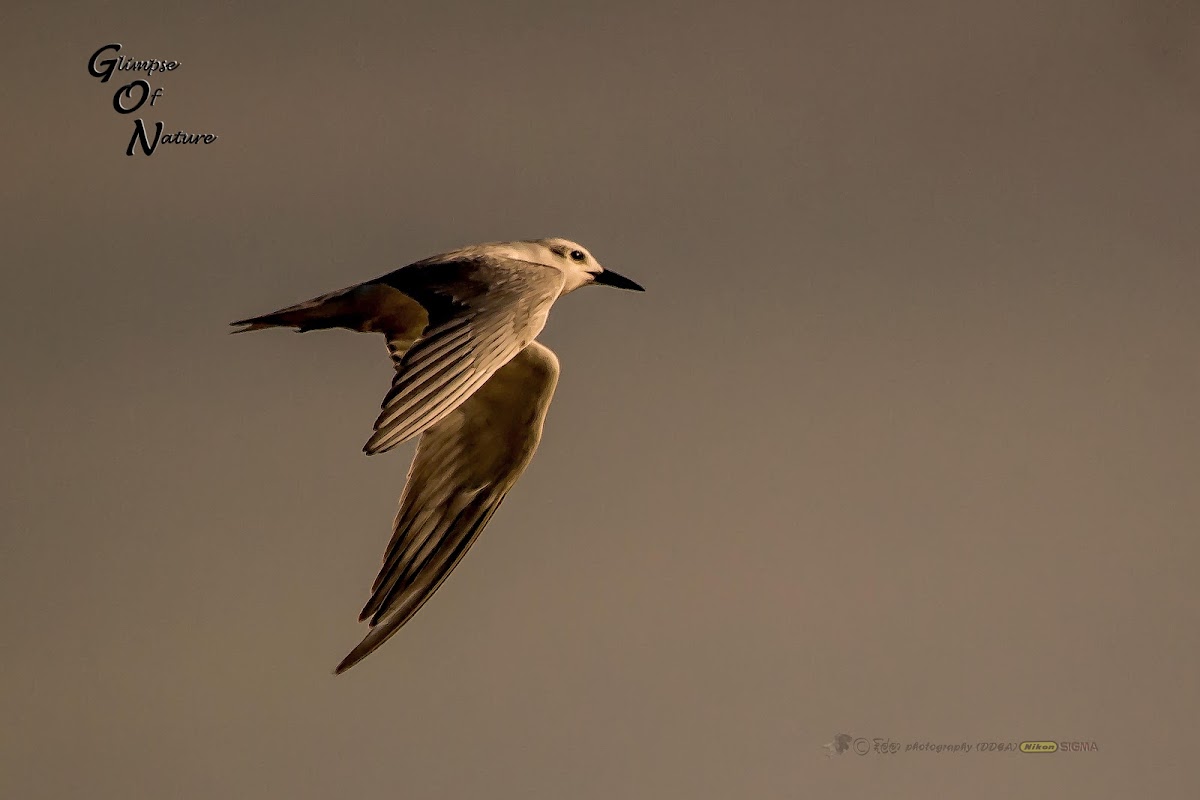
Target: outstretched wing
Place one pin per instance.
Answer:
(450, 322)
(483, 311)
(464, 466)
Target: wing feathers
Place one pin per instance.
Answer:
(470, 380)
(464, 467)
(412, 600)
(504, 308)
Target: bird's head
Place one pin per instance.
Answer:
(575, 262)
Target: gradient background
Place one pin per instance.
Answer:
(901, 442)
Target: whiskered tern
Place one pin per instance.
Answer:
(470, 380)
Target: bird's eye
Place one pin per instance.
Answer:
(577, 255)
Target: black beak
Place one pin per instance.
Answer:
(609, 278)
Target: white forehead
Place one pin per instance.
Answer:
(564, 245)
(539, 251)
(561, 249)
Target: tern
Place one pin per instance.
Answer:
(470, 380)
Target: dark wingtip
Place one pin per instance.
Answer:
(372, 446)
(353, 657)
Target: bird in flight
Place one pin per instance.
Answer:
(470, 380)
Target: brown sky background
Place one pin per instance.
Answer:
(901, 442)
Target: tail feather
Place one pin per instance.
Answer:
(334, 310)
(368, 307)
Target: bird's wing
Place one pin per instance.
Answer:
(464, 466)
(482, 312)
